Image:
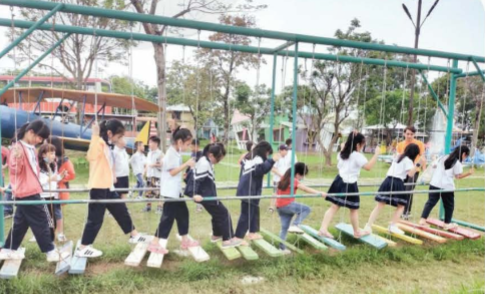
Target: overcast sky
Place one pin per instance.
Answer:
(455, 25)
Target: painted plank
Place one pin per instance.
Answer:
(248, 253)
(137, 254)
(418, 232)
(78, 264)
(155, 260)
(230, 253)
(64, 264)
(276, 238)
(10, 268)
(368, 239)
(267, 248)
(390, 243)
(460, 231)
(436, 232)
(408, 239)
(329, 241)
(312, 242)
(198, 253)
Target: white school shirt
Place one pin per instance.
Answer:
(32, 157)
(138, 162)
(444, 179)
(282, 166)
(121, 162)
(349, 169)
(152, 158)
(172, 185)
(287, 158)
(400, 170)
(46, 185)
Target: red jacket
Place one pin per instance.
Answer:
(22, 178)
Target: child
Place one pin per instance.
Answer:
(138, 163)
(253, 168)
(196, 155)
(249, 147)
(205, 186)
(401, 167)
(350, 161)
(101, 179)
(7, 209)
(24, 178)
(281, 166)
(172, 183)
(288, 156)
(447, 169)
(122, 167)
(154, 172)
(65, 167)
(287, 207)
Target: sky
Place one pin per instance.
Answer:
(455, 26)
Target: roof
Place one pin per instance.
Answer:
(50, 79)
(178, 107)
(238, 117)
(30, 95)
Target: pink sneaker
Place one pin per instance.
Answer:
(189, 243)
(157, 248)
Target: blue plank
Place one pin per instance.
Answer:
(11, 267)
(371, 239)
(330, 242)
(64, 264)
(78, 264)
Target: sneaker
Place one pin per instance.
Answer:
(285, 251)
(159, 210)
(295, 230)
(7, 215)
(88, 252)
(231, 243)
(394, 229)
(147, 209)
(61, 238)
(56, 256)
(32, 240)
(6, 254)
(405, 216)
(188, 244)
(157, 248)
(139, 239)
(215, 239)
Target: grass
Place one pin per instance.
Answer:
(454, 267)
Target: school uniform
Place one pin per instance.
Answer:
(154, 174)
(171, 188)
(282, 166)
(251, 184)
(122, 169)
(205, 186)
(54, 210)
(443, 179)
(138, 162)
(346, 180)
(394, 182)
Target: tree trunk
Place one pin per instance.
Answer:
(415, 59)
(476, 127)
(225, 140)
(162, 94)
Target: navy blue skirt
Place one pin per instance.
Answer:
(391, 184)
(340, 187)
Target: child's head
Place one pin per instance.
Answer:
(58, 144)
(215, 152)
(154, 143)
(355, 142)
(47, 156)
(111, 131)
(301, 170)
(249, 145)
(412, 151)
(195, 145)
(139, 147)
(263, 149)
(283, 149)
(182, 139)
(34, 133)
(460, 153)
(121, 143)
(288, 142)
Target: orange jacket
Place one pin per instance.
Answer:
(71, 175)
(100, 172)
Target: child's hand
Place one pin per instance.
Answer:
(472, 171)
(198, 198)
(17, 152)
(377, 151)
(190, 162)
(64, 174)
(95, 129)
(276, 156)
(324, 194)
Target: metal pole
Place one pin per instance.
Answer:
(31, 29)
(2, 223)
(479, 72)
(293, 125)
(271, 116)
(433, 94)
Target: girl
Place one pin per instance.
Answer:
(350, 162)
(249, 147)
(205, 186)
(287, 207)
(172, 169)
(122, 167)
(447, 168)
(401, 167)
(24, 178)
(65, 167)
(253, 168)
(101, 179)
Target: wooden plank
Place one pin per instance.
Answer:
(420, 233)
(368, 239)
(137, 254)
(155, 260)
(390, 243)
(312, 242)
(399, 236)
(10, 268)
(276, 238)
(434, 231)
(267, 248)
(64, 264)
(329, 241)
(248, 253)
(78, 264)
(460, 231)
(230, 253)
(198, 253)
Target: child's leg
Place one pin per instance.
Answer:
(329, 214)
(139, 184)
(243, 222)
(449, 205)
(354, 220)
(149, 185)
(182, 218)
(18, 230)
(285, 218)
(166, 221)
(375, 213)
(221, 219)
(433, 198)
(397, 214)
(301, 210)
(121, 215)
(254, 217)
(95, 216)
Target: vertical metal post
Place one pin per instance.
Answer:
(293, 126)
(271, 117)
(81, 123)
(2, 224)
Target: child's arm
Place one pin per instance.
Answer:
(95, 149)
(70, 172)
(16, 160)
(462, 176)
(265, 167)
(413, 171)
(173, 172)
(310, 190)
(369, 165)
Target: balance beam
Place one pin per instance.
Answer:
(368, 239)
(78, 264)
(408, 239)
(276, 238)
(64, 265)
(434, 231)
(312, 241)
(155, 260)
(461, 231)
(418, 232)
(10, 268)
(230, 253)
(248, 253)
(329, 241)
(198, 253)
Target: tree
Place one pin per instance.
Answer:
(127, 86)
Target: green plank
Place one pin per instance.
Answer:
(248, 253)
(229, 253)
(312, 242)
(267, 248)
(371, 239)
(276, 238)
(330, 242)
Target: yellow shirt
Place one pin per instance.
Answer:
(401, 146)
(100, 171)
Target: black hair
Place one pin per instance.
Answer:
(57, 142)
(196, 142)
(351, 145)
(412, 151)
(113, 125)
(300, 169)
(410, 128)
(216, 149)
(261, 149)
(182, 134)
(288, 142)
(155, 139)
(138, 143)
(249, 145)
(46, 148)
(37, 126)
(456, 155)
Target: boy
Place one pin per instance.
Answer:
(288, 143)
(138, 162)
(154, 172)
(121, 167)
(281, 166)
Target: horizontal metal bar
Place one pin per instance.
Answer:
(222, 46)
(211, 198)
(283, 46)
(479, 70)
(470, 74)
(468, 225)
(206, 26)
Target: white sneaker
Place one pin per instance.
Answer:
(88, 252)
(394, 229)
(6, 254)
(368, 228)
(295, 230)
(285, 251)
(56, 256)
(32, 240)
(139, 239)
(61, 238)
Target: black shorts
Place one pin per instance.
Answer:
(122, 183)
